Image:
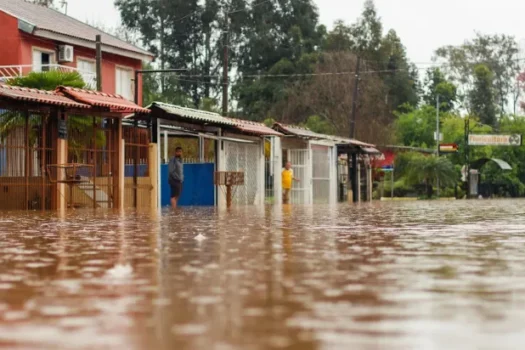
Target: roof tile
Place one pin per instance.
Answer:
(115, 103)
(255, 128)
(38, 96)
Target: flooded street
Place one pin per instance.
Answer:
(414, 275)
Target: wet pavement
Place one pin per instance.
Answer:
(415, 275)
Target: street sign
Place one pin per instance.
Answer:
(494, 140)
(387, 168)
(448, 148)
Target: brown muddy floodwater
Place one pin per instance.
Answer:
(421, 275)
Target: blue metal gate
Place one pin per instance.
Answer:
(198, 188)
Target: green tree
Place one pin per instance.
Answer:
(49, 81)
(190, 35)
(280, 39)
(427, 169)
(367, 33)
(339, 38)
(437, 84)
(401, 78)
(320, 125)
(497, 52)
(482, 96)
(417, 127)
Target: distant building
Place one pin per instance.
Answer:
(35, 38)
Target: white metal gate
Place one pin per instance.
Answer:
(321, 163)
(246, 158)
(300, 165)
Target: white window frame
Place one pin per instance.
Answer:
(51, 53)
(130, 70)
(82, 72)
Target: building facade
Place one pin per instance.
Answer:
(34, 39)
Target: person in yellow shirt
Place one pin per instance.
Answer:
(287, 180)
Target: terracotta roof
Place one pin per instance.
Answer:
(255, 128)
(52, 24)
(115, 103)
(192, 114)
(38, 96)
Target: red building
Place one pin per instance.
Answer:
(35, 38)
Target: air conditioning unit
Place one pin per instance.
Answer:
(65, 53)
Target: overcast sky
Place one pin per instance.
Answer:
(423, 25)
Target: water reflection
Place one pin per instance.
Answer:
(374, 276)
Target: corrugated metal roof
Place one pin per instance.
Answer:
(351, 141)
(298, 131)
(193, 114)
(39, 96)
(255, 128)
(115, 103)
(49, 20)
(306, 133)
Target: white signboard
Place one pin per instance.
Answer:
(494, 140)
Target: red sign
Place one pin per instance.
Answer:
(448, 148)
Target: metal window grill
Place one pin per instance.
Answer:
(300, 190)
(244, 158)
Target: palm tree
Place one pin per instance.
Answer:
(428, 169)
(49, 81)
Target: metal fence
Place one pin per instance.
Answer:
(26, 148)
(245, 158)
(137, 185)
(91, 141)
(321, 163)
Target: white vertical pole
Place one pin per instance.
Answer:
(166, 148)
(437, 138)
(277, 185)
(262, 172)
(309, 174)
(392, 182)
(159, 169)
(333, 175)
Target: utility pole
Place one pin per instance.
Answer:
(467, 155)
(353, 156)
(437, 138)
(225, 69)
(162, 56)
(354, 98)
(99, 62)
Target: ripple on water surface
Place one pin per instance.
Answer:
(416, 275)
